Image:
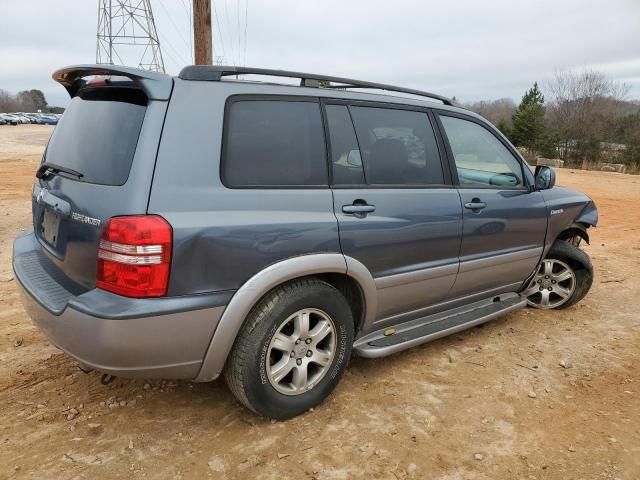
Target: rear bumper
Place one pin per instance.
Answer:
(147, 338)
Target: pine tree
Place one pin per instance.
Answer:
(528, 121)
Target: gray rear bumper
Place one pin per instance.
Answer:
(148, 338)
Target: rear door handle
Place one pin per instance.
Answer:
(475, 205)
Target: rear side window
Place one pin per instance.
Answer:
(274, 143)
(398, 147)
(98, 134)
(346, 161)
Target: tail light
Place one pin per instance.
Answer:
(134, 257)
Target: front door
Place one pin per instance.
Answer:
(397, 212)
(504, 222)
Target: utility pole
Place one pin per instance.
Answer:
(202, 38)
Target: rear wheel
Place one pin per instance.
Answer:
(563, 278)
(292, 349)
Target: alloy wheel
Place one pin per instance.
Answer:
(301, 351)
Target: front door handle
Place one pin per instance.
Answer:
(476, 205)
(358, 208)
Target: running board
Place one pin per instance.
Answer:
(432, 327)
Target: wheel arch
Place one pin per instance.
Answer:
(346, 274)
(573, 230)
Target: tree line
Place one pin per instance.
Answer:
(576, 117)
(26, 101)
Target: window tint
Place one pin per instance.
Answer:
(345, 154)
(274, 143)
(481, 159)
(98, 134)
(398, 147)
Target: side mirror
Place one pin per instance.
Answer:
(545, 177)
(354, 158)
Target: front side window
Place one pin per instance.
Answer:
(398, 147)
(274, 143)
(481, 159)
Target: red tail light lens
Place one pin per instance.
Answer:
(134, 257)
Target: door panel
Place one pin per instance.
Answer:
(394, 213)
(502, 243)
(504, 223)
(409, 243)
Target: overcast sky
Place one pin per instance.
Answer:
(473, 49)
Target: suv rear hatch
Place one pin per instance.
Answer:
(98, 164)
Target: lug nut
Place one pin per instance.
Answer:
(539, 281)
(293, 354)
(307, 341)
(550, 288)
(553, 281)
(541, 288)
(297, 341)
(299, 361)
(309, 353)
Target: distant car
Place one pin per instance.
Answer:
(2, 120)
(46, 120)
(11, 120)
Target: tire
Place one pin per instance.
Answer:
(258, 359)
(565, 258)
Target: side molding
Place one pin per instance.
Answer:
(258, 285)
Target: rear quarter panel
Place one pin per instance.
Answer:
(224, 236)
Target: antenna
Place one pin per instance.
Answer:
(127, 35)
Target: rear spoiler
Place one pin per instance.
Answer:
(157, 86)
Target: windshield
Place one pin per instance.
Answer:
(98, 134)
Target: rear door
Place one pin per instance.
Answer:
(504, 221)
(102, 155)
(397, 212)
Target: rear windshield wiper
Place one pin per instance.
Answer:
(46, 168)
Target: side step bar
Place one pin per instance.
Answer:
(432, 327)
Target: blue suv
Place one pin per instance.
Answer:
(199, 225)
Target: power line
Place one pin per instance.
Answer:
(217, 18)
(238, 22)
(226, 12)
(246, 26)
(175, 27)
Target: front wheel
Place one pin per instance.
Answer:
(563, 278)
(292, 349)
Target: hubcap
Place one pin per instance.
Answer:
(301, 351)
(552, 286)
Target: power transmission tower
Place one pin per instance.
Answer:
(127, 35)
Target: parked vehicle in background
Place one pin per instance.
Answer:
(10, 119)
(48, 120)
(193, 226)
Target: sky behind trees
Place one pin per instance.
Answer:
(471, 49)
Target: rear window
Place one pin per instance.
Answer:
(274, 143)
(98, 134)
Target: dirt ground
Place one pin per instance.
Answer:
(491, 403)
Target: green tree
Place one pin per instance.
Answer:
(33, 100)
(528, 121)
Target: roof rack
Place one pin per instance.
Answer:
(216, 72)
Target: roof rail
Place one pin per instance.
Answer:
(216, 72)
(157, 86)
